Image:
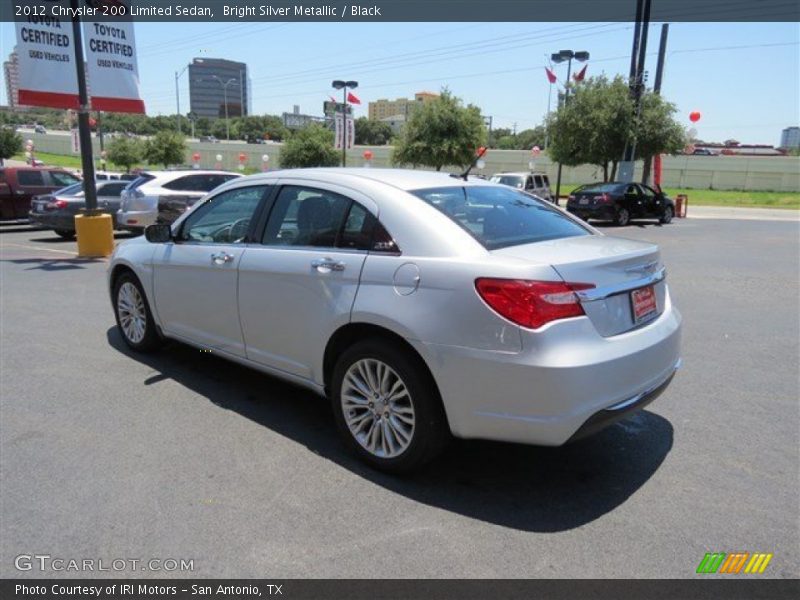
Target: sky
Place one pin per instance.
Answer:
(744, 78)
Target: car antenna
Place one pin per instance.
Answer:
(478, 155)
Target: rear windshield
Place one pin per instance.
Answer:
(500, 216)
(139, 181)
(512, 180)
(600, 188)
(70, 190)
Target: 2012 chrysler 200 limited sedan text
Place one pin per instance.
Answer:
(420, 303)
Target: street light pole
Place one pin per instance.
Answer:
(225, 85)
(178, 96)
(339, 84)
(558, 57)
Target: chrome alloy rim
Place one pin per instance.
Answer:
(132, 316)
(377, 408)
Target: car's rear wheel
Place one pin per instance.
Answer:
(623, 217)
(134, 319)
(668, 214)
(386, 406)
(67, 234)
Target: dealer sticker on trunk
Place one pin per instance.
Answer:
(643, 301)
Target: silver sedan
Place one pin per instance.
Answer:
(421, 304)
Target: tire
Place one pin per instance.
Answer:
(128, 293)
(67, 234)
(411, 428)
(666, 218)
(622, 218)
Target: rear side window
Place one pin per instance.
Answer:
(30, 178)
(305, 216)
(112, 189)
(499, 216)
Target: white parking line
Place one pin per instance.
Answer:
(29, 247)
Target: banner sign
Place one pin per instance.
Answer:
(46, 54)
(75, 142)
(112, 70)
(338, 134)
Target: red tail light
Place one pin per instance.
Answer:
(56, 204)
(570, 197)
(602, 198)
(531, 303)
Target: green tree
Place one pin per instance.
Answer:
(370, 132)
(125, 152)
(598, 120)
(311, 146)
(496, 134)
(10, 143)
(528, 138)
(165, 148)
(439, 133)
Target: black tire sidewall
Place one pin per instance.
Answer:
(430, 430)
(619, 220)
(151, 339)
(64, 233)
(669, 213)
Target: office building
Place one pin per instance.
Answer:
(215, 82)
(383, 109)
(790, 137)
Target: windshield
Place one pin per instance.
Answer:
(500, 216)
(512, 180)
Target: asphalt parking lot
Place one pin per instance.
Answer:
(107, 454)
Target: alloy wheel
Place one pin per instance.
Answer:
(132, 314)
(377, 408)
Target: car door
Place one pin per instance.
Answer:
(299, 284)
(30, 182)
(651, 201)
(632, 199)
(195, 275)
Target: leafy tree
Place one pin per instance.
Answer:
(370, 132)
(597, 121)
(125, 152)
(439, 133)
(10, 143)
(528, 138)
(165, 148)
(497, 134)
(311, 146)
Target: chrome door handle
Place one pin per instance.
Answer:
(324, 265)
(220, 258)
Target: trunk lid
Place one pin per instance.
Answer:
(615, 266)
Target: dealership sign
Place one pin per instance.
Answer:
(47, 73)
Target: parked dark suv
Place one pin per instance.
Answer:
(19, 184)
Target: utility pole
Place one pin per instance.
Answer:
(84, 131)
(662, 54)
(627, 164)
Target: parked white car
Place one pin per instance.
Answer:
(421, 304)
(165, 195)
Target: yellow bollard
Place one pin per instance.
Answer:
(95, 235)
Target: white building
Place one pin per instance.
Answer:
(790, 137)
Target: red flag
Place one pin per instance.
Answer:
(332, 99)
(580, 74)
(550, 75)
(352, 98)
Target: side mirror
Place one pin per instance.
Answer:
(158, 233)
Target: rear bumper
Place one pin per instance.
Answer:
(135, 220)
(565, 375)
(52, 221)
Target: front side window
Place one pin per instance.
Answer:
(304, 216)
(225, 218)
(499, 216)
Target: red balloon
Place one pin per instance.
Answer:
(92, 122)
(481, 151)
(694, 116)
(367, 154)
(242, 157)
(196, 156)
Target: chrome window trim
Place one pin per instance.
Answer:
(625, 286)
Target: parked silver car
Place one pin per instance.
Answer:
(423, 305)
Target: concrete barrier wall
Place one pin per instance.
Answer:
(699, 172)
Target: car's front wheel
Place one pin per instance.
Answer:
(668, 214)
(134, 319)
(67, 234)
(386, 406)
